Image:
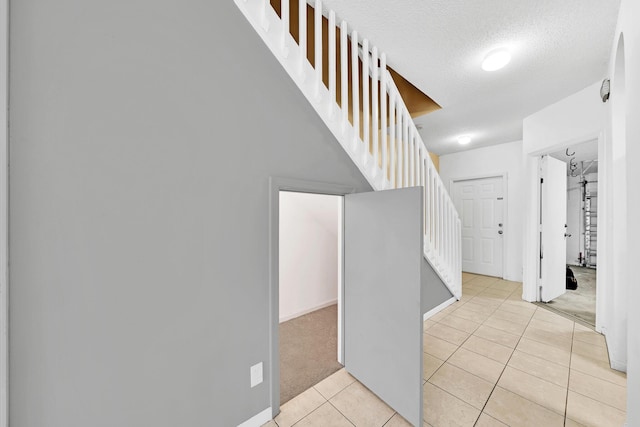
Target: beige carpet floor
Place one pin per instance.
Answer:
(308, 351)
(581, 303)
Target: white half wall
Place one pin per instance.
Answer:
(495, 160)
(308, 252)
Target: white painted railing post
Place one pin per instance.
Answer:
(332, 61)
(286, 24)
(265, 22)
(344, 74)
(355, 88)
(410, 166)
(318, 45)
(375, 110)
(392, 139)
(383, 113)
(405, 146)
(302, 33)
(365, 99)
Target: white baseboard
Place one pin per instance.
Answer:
(439, 308)
(618, 366)
(309, 310)
(258, 420)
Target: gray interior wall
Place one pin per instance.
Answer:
(434, 291)
(142, 137)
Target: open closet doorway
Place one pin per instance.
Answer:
(310, 267)
(579, 300)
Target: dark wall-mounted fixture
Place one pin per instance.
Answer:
(605, 90)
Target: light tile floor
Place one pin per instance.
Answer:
(490, 359)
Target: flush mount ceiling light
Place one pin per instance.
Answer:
(464, 140)
(496, 59)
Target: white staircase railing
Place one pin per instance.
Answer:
(378, 134)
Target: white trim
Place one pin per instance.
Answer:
(4, 213)
(309, 310)
(340, 281)
(439, 308)
(258, 419)
(618, 366)
(505, 206)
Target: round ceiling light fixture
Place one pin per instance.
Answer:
(496, 59)
(464, 140)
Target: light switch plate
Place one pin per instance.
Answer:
(256, 374)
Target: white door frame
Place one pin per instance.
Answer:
(505, 204)
(4, 204)
(530, 287)
(277, 184)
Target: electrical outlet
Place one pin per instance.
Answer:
(256, 374)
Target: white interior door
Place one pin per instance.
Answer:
(553, 222)
(480, 205)
(382, 296)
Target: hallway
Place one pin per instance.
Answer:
(490, 359)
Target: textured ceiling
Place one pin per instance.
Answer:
(558, 48)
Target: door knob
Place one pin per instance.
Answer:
(567, 235)
(500, 231)
(500, 225)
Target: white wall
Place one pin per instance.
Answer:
(577, 118)
(142, 144)
(492, 161)
(630, 109)
(308, 252)
(581, 117)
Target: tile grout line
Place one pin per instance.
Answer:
(501, 373)
(459, 347)
(566, 400)
(593, 376)
(456, 397)
(345, 417)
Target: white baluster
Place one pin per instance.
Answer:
(412, 164)
(318, 45)
(365, 99)
(416, 158)
(441, 228)
(392, 138)
(263, 14)
(448, 239)
(302, 34)
(286, 23)
(425, 182)
(436, 228)
(383, 113)
(427, 209)
(375, 111)
(451, 238)
(355, 88)
(332, 62)
(400, 142)
(405, 145)
(344, 74)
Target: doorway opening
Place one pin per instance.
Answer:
(310, 274)
(480, 202)
(581, 233)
